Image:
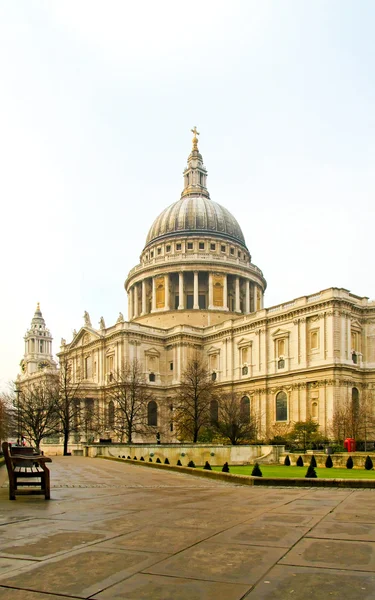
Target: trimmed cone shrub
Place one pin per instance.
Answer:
(150, 459)
(349, 463)
(329, 463)
(135, 458)
(128, 457)
(311, 472)
(256, 472)
(287, 461)
(142, 458)
(166, 462)
(123, 457)
(191, 464)
(313, 462)
(179, 463)
(119, 456)
(207, 466)
(299, 461)
(368, 464)
(158, 460)
(225, 468)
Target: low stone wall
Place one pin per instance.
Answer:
(256, 481)
(338, 459)
(58, 449)
(198, 453)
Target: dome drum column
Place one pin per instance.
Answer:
(181, 304)
(144, 307)
(196, 290)
(237, 307)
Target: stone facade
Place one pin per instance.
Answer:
(196, 290)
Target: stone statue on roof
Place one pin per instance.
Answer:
(86, 318)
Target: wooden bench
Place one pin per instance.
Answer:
(26, 470)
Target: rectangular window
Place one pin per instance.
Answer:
(190, 246)
(232, 251)
(159, 250)
(314, 339)
(171, 366)
(213, 246)
(176, 301)
(189, 300)
(202, 301)
(201, 245)
(168, 248)
(152, 254)
(178, 246)
(223, 248)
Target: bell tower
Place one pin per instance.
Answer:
(38, 346)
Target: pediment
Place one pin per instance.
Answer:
(213, 350)
(152, 352)
(280, 333)
(355, 324)
(243, 342)
(84, 337)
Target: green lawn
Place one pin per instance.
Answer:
(282, 471)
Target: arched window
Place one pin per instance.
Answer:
(245, 370)
(245, 409)
(314, 410)
(281, 407)
(111, 414)
(214, 411)
(214, 376)
(152, 413)
(151, 377)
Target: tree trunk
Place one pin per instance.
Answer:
(66, 438)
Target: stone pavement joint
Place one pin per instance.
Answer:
(114, 531)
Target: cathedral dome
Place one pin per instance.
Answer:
(192, 215)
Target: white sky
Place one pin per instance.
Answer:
(97, 100)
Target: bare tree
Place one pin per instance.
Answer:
(193, 400)
(67, 404)
(6, 416)
(354, 418)
(36, 405)
(235, 421)
(130, 395)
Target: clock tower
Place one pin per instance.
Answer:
(38, 347)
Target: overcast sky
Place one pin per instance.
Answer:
(97, 100)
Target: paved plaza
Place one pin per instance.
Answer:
(115, 531)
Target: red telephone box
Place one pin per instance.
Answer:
(349, 444)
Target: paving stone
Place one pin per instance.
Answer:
(158, 539)
(12, 564)
(261, 534)
(156, 587)
(334, 554)
(301, 583)
(82, 573)
(9, 594)
(44, 545)
(232, 563)
(344, 531)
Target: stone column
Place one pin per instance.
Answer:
(196, 288)
(166, 288)
(130, 303)
(135, 300)
(247, 296)
(237, 300)
(143, 296)
(210, 291)
(181, 304)
(225, 293)
(153, 294)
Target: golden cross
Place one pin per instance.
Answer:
(195, 131)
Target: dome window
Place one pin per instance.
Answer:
(168, 248)
(178, 246)
(201, 245)
(223, 248)
(213, 246)
(232, 251)
(152, 254)
(159, 250)
(190, 246)
(239, 254)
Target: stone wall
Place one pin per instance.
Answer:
(198, 453)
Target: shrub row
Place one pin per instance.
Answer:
(329, 463)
